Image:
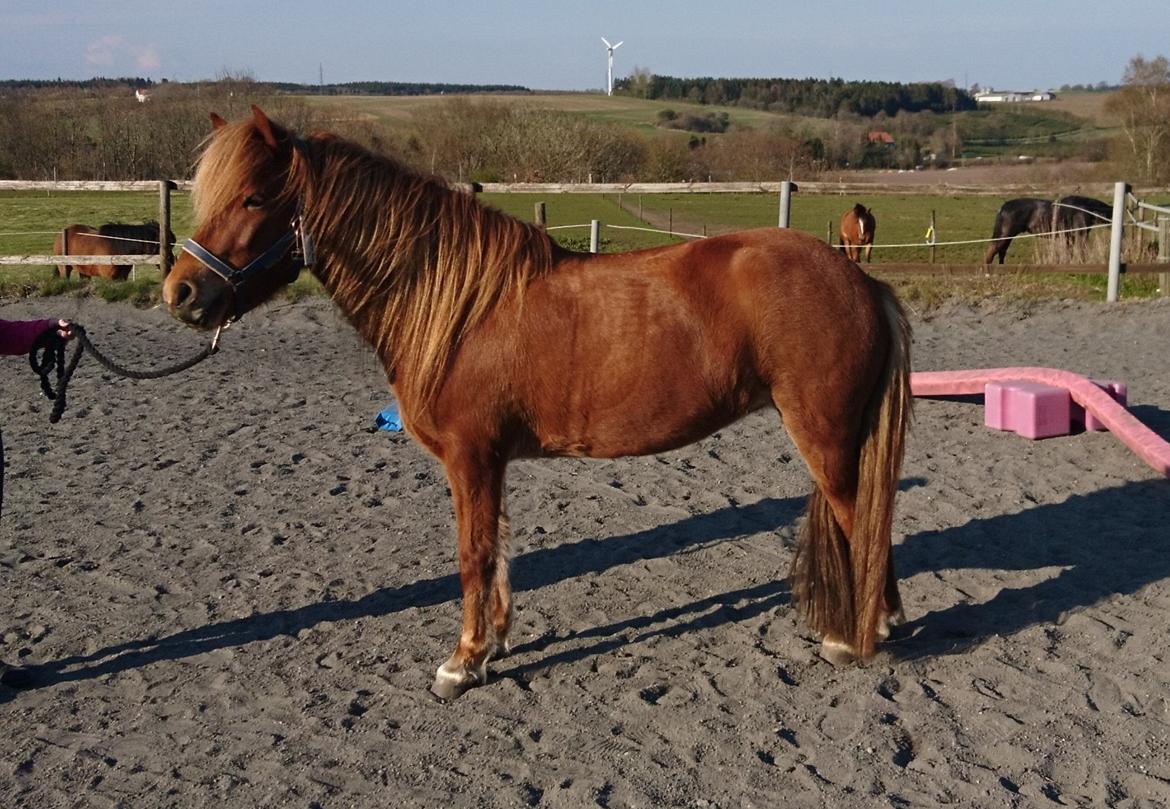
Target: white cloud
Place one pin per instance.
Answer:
(148, 58)
(101, 52)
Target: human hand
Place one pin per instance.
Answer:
(65, 330)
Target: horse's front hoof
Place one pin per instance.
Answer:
(837, 652)
(451, 682)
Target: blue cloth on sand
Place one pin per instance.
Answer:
(389, 419)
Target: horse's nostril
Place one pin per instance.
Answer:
(184, 293)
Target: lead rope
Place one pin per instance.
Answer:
(48, 355)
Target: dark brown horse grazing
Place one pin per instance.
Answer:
(857, 230)
(499, 344)
(111, 239)
(1070, 216)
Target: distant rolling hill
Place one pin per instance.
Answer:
(1054, 128)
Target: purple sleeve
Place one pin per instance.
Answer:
(18, 336)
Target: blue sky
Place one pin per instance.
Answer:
(557, 45)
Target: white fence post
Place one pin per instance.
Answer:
(1163, 253)
(594, 235)
(786, 189)
(1119, 192)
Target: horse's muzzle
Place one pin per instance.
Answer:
(197, 304)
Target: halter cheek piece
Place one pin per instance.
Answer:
(297, 244)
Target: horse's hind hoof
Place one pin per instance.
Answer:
(448, 690)
(886, 624)
(837, 652)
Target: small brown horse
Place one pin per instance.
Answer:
(499, 344)
(111, 239)
(857, 230)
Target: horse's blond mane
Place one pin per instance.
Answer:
(416, 265)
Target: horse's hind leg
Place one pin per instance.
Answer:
(821, 579)
(476, 488)
(824, 583)
(892, 613)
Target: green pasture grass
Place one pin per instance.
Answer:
(579, 209)
(901, 219)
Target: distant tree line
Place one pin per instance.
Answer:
(395, 88)
(378, 88)
(131, 82)
(818, 98)
(1099, 87)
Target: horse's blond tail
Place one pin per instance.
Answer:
(879, 470)
(838, 582)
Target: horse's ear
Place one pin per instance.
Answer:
(217, 122)
(264, 126)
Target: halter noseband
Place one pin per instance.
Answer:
(295, 240)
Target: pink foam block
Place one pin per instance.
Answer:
(1146, 444)
(1085, 420)
(1027, 408)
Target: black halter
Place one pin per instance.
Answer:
(295, 242)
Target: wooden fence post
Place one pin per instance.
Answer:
(933, 235)
(829, 232)
(164, 226)
(541, 217)
(594, 235)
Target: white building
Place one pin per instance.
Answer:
(1013, 96)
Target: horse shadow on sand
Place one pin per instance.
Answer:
(1109, 542)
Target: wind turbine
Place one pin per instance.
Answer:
(609, 73)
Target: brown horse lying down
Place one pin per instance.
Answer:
(499, 344)
(111, 239)
(856, 231)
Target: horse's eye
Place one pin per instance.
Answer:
(253, 201)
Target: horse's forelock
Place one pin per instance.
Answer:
(232, 157)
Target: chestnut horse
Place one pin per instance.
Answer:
(111, 239)
(857, 229)
(499, 344)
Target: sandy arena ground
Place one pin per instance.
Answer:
(235, 595)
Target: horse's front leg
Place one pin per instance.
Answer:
(476, 489)
(501, 603)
